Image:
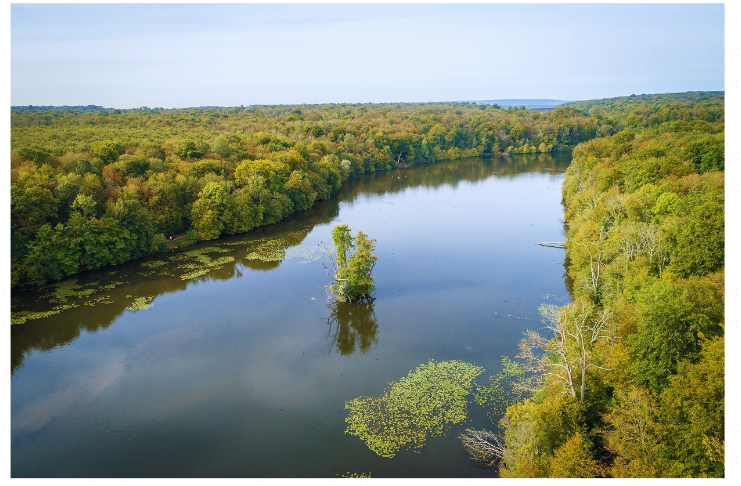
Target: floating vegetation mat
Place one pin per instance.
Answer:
(304, 254)
(23, 316)
(61, 294)
(188, 265)
(269, 251)
(204, 265)
(154, 264)
(105, 299)
(70, 289)
(499, 393)
(141, 303)
(424, 403)
(356, 475)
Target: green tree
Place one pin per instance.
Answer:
(352, 279)
(85, 205)
(107, 151)
(211, 212)
(699, 242)
(535, 431)
(37, 156)
(221, 146)
(31, 208)
(573, 460)
(693, 407)
(635, 435)
(669, 328)
(189, 149)
(54, 254)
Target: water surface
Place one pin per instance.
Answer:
(244, 371)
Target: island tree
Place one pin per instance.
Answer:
(353, 273)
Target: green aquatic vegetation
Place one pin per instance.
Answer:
(85, 293)
(424, 403)
(141, 303)
(220, 262)
(72, 289)
(202, 260)
(200, 253)
(198, 270)
(65, 290)
(105, 299)
(356, 475)
(64, 307)
(154, 264)
(210, 249)
(498, 394)
(195, 274)
(304, 254)
(24, 316)
(112, 285)
(269, 251)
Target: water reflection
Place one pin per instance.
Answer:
(138, 280)
(355, 327)
(456, 171)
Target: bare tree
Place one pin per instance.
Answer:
(628, 242)
(563, 357)
(651, 243)
(482, 445)
(597, 254)
(615, 206)
(337, 282)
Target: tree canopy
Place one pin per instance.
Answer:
(272, 161)
(645, 244)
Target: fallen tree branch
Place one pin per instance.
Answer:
(482, 445)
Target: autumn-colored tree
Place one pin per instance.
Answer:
(573, 460)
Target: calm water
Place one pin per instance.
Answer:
(244, 371)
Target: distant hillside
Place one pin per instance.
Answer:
(64, 107)
(530, 104)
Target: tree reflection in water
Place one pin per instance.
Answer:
(354, 325)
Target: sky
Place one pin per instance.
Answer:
(183, 55)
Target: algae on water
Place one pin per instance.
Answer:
(356, 475)
(424, 403)
(499, 393)
(204, 265)
(24, 316)
(304, 254)
(141, 303)
(154, 264)
(269, 251)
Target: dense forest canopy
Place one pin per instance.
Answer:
(97, 187)
(628, 380)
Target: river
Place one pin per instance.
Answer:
(223, 359)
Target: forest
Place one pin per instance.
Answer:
(625, 381)
(628, 379)
(92, 188)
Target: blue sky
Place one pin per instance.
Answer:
(179, 55)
